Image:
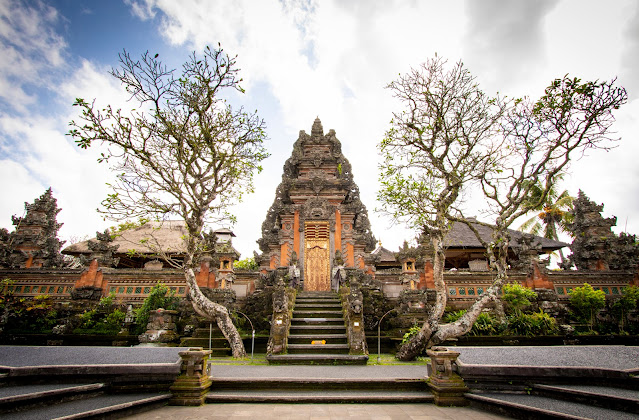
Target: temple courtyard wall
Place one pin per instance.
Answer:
(132, 286)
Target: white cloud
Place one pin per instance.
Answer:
(31, 50)
(36, 152)
(308, 58)
(333, 58)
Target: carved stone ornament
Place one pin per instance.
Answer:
(317, 173)
(316, 209)
(317, 185)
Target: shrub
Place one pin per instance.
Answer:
(517, 296)
(537, 323)
(486, 324)
(25, 315)
(106, 318)
(628, 301)
(586, 302)
(160, 296)
(450, 317)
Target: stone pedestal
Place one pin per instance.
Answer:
(191, 386)
(447, 386)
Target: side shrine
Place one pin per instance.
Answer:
(319, 264)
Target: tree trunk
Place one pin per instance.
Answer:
(416, 345)
(432, 332)
(212, 310)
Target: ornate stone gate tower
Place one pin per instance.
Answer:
(317, 215)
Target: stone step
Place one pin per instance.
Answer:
(307, 294)
(317, 321)
(101, 406)
(318, 306)
(600, 396)
(23, 396)
(313, 383)
(307, 338)
(204, 332)
(323, 313)
(535, 406)
(318, 348)
(317, 359)
(218, 347)
(318, 302)
(317, 329)
(318, 396)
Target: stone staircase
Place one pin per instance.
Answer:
(72, 401)
(318, 390)
(317, 333)
(569, 401)
(219, 345)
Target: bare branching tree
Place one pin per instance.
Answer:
(540, 139)
(450, 138)
(440, 142)
(183, 152)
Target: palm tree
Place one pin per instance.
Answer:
(554, 214)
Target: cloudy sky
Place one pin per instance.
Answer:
(300, 59)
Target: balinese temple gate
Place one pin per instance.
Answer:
(317, 222)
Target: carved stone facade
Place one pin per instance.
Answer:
(317, 211)
(595, 246)
(34, 243)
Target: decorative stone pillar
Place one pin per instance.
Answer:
(353, 301)
(447, 386)
(278, 339)
(191, 386)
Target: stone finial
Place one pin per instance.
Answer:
(317, 130)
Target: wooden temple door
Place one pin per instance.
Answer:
(317, 263)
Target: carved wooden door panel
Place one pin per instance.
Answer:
(316, 257)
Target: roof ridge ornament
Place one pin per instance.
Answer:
(317, 131)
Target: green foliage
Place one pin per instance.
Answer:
(486, 324)
(628, 301)
(453, 316)
(411, 333)
(160, 296)
(26, 315)
(535, 324)
(517, 296)
(106, 318)
(248, 264)
(586, 302)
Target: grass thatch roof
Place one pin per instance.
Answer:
(146, 239)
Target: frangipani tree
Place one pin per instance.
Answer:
(447, 141)
(440, 142)
(183, 152)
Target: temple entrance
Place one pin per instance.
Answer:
(317, 263)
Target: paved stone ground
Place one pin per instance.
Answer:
(609, 357)
(18, 356)
(320, 372)
(317, 412)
